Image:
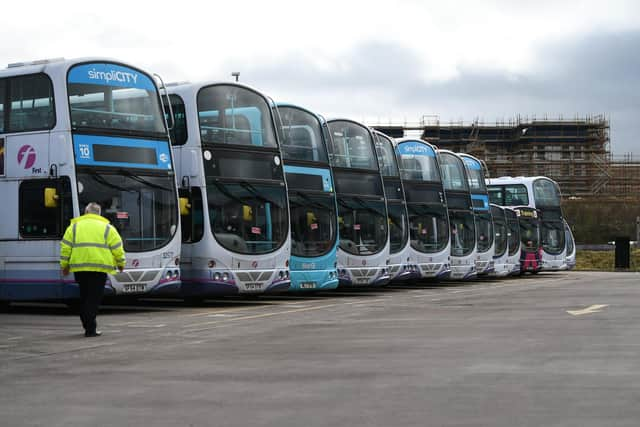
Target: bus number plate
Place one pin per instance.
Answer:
(134, 287)
(308, 285)
(253, 286)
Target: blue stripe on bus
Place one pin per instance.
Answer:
(324, 173)
(415, 148)
(83, 148)
(110, 75)
(472, 164)
(483, 198)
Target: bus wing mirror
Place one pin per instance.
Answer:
(50, 197)
(185, 206)
(247, 213)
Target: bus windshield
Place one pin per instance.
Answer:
(398, 228)
(513, 232)
(463, 233)
(302, 136)
(484, 231)
(453, 175)
(247, 218)
(114, 98)
(552, 235)
(476, 178)
(546, 193)
(351, 146)
(501, 234)
(141, 207)
(362, 225)
(429, 227)
(417, 162)
(313, 223)
(530, 234)
(386, 156)
(235, 115)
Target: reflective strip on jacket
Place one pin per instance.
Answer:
(90, 243)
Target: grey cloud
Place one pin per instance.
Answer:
(599, 73)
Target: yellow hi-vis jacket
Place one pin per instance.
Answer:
(90, 243)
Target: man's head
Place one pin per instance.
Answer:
(93, 208)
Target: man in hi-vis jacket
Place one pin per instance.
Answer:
(91, 248)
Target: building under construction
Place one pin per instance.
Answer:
(575, 152)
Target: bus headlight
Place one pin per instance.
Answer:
(225, 276)
(216, 276)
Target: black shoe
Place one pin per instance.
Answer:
(92, 334)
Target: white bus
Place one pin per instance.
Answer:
(402, 266)
(80, 131)
(461, 216)
(482, 213)
(514, 242)
(236, 235)
(363, 251)
(501, 242)
(428, 218)
(543, 194)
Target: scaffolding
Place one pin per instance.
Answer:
(574, 152)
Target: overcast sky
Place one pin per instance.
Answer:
(369, 60)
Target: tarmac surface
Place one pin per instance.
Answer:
(555, 349)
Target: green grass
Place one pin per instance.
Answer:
(604, 260)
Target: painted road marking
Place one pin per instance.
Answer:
(597, 308)
(257, 316)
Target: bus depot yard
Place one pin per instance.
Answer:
(554, 349)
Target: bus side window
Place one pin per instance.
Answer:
(30, 103)
(38, 221)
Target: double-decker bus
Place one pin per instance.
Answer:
(236, 236)
(530, 246)
(482, 213)
(363, 251)
(513, 227)
(402, 266)
(461, 216)
(74, 132)
(543, 194)
(312, 199)
(426, 206)
(501, 245)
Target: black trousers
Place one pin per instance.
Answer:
(91, 291)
